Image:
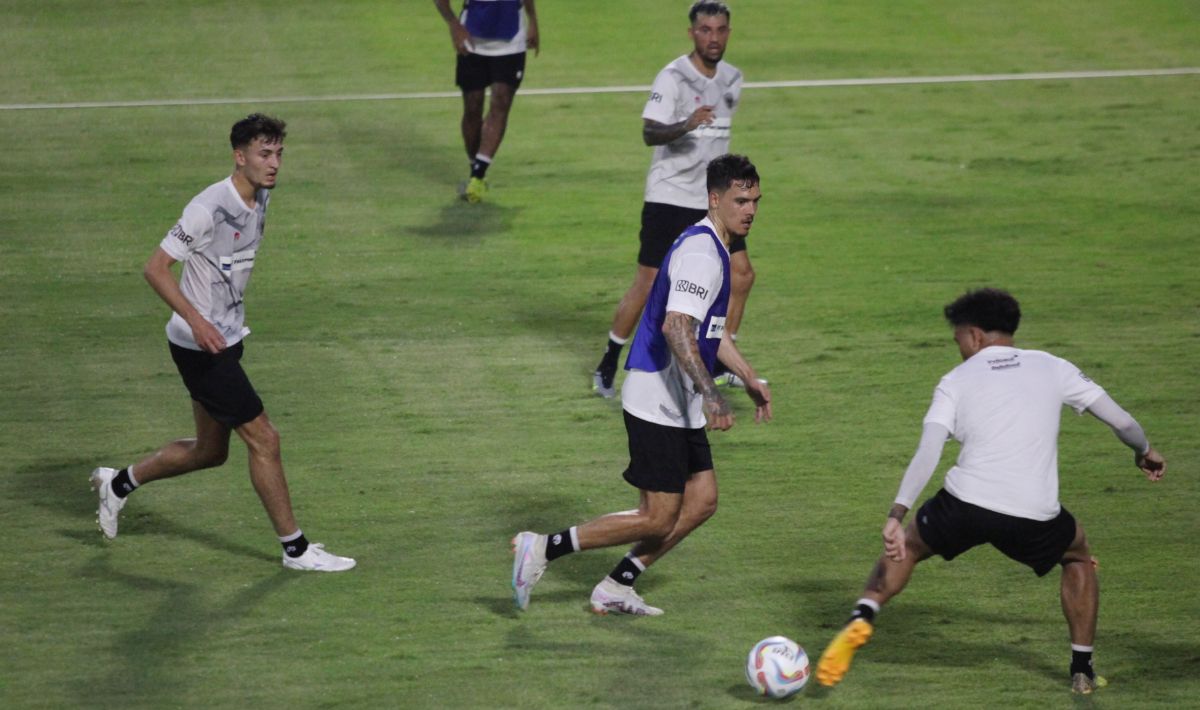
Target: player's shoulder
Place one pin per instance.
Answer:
(678, 69)
(728, 74)
(215, 195)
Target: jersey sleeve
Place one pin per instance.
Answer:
(660, 106)
(942, 408)
(191, 233)
(695, 281)
(1078, 390)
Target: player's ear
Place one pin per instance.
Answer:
(714, 199)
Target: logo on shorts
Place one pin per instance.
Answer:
(685, 286)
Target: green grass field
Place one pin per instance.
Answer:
(428, 362)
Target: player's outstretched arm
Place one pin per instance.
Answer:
(1131, 434)
(758, 391)
(680, 329)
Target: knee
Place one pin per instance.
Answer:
(743, 278)
(210, 457)
(263, 440)
(704, 510)
(659, 526)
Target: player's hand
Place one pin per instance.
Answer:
(532, 38)
(700, 117)
(717, 413)
(1152, 464)
(208, 337)
(894, 540)
(460, 38)
(761, 395)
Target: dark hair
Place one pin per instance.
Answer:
(727, 169)
(708, 7)
(255, 125)
(986, 308)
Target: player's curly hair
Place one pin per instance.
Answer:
(725, 170)
(986, 308)
(255, 125)
(708, 7)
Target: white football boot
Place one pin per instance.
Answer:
(610, 596)
(529, 562)
(110, 503)
(316, 559)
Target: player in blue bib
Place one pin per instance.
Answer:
(669, 399)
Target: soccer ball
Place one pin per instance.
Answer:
(777, 666)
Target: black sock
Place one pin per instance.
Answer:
(295, 547)
(862, 611)
(612, 356)
(121, 485)
(559, 544)
(626, 572)
(1081, 662)
(479, 168)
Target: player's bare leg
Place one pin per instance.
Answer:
(625, 319)
(741, 280)
(1080, 595)
(208, 449)
(496, 122)
(266, 472)
(472, 121)
(887, 579)
(699, 504)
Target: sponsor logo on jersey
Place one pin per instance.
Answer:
(729, 102)
(716, 327)
(656, 97)
(685, 286)
(178, 233)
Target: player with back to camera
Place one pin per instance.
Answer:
(1004, 404)
(217, 239)
(668, 398)
(490, 37)
(687, 119)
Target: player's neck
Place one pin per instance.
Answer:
(245, 189)
(722, 233)
(708, 70)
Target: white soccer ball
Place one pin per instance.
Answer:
(777, 667)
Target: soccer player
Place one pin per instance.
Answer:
(687, 119)
(669, 397)
(217, 239)
(490, 37)
(1004, 404)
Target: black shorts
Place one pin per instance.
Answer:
(475, 72)
(219, 384)
(663, 458)
(661, 226)
(950, 527)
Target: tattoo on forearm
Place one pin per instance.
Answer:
(898, 512)
(661, 133)
(680, 330)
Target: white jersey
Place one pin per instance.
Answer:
(679, 169)
(1004, 404)
(669, 396)
(496, 47)
(216, 239)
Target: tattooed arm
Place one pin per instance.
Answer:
(680, 330)
(655, 133)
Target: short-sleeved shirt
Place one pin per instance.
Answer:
(490, 21)
(1005, 404)
(695, 280)
(679, 169)
(216, 239)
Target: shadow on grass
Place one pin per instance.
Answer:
(62, 489)
(149, 658)
(468, 224)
